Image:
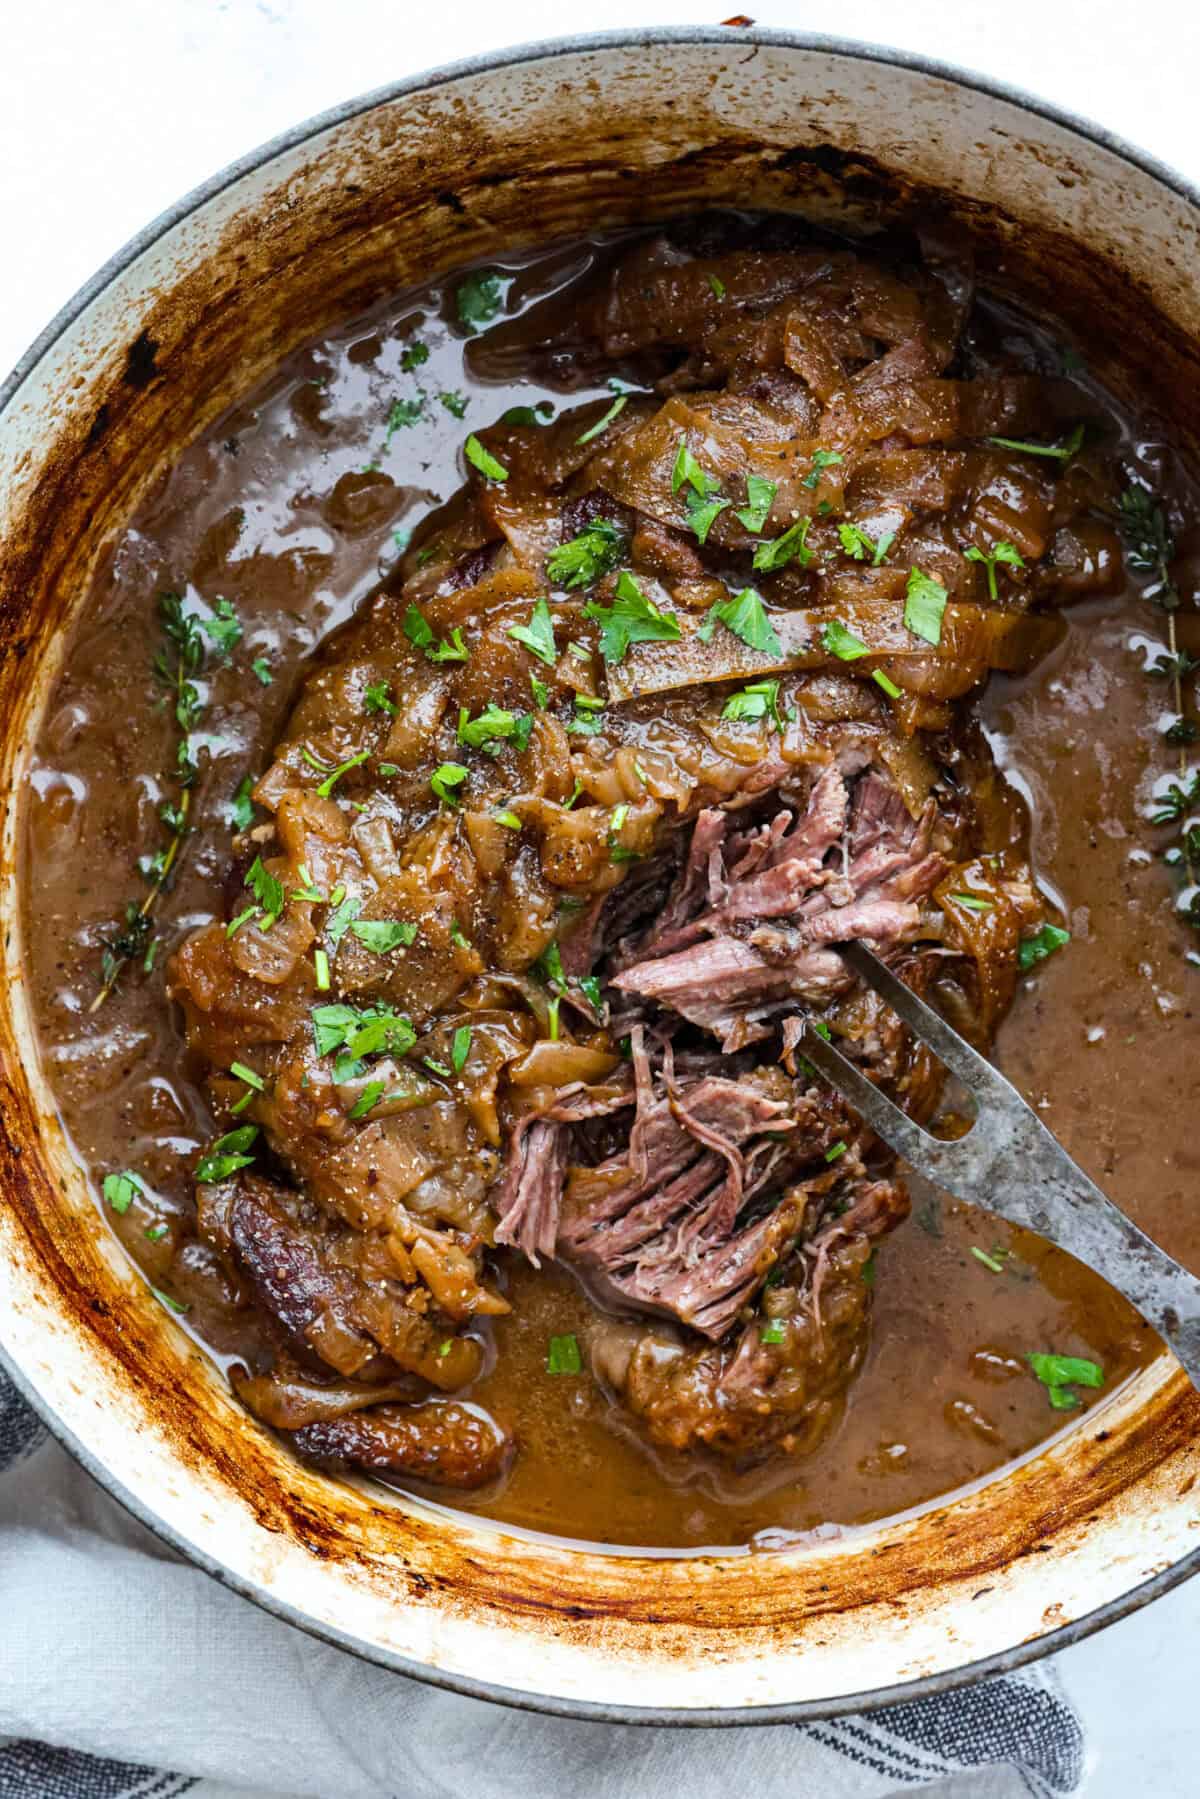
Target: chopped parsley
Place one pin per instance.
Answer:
(778, 551)
(227, 1155)
(538, 635)
(483, 460)
(377, 697)
(509, 820)
(759, 700)
(773, 1331)
(262, 669)
(370, 1097)
(859, 546)
(455, 403)
(420, 633)
(842, 643)
(540, 692)
(528, 415)
(479, 298)
(1003, 552)
(494, 726)
(1060, 452)
(686, 468)
(155, 1233)
(760, 497)
(745, 615)
(224, 628)
(1060, 1374)
(403, 415)
(563, 1357)
(375, 1031)
(587, 556)
(120, 1190)
(326, 787)
(413, 355)
(446, 780)
(383, 935)
(617, 851)
(346, 908)
(242, 806)
(924, 606)
(717, 285)
(267, 891)
(1043, 943)
(618, 406)
(632, 618)
(586, 720)
(702, 515)
(822, 459)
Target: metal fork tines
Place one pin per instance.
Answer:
(1010, 1164)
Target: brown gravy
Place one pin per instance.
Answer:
(290, 509)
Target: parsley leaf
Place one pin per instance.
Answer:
(377, 698)
(242, 806)
(493, 726)
(479, 298)
(454, 402)
(563, 1357)
(446, 779)
(618, 406)
(538, 635)
(1003, 552)
(339, 920)
(267, 891)
(778, 551)
(1060, 452)
(120, 1190)
(822, 459)
(227, 1155)
(924, 605)
(1043, 943)
(745, 615)
(759, 700)
(632, 618)
(419, 632)
(224, 627)
(1059, 1374)
(383, 935)
(842, 643)
(760, 497)
(484, 461)
(583, 559)
(262, 669)
(703, 514)
(857, 544)
(370, 1097)
(403, 415)
(413, 355)
(686, 468)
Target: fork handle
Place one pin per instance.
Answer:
(1053, 1196)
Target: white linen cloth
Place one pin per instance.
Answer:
(126, 1673)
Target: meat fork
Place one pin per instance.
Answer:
(1010, 1164)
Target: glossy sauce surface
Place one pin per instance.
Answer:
(291, 510)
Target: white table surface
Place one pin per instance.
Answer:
(112, 109)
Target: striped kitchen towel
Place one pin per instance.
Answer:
(125, 1673)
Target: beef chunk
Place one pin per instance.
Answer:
(444, 1442)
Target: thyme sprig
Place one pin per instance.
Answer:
(1150, 551)
(176, 665)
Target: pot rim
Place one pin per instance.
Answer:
(536, 51)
